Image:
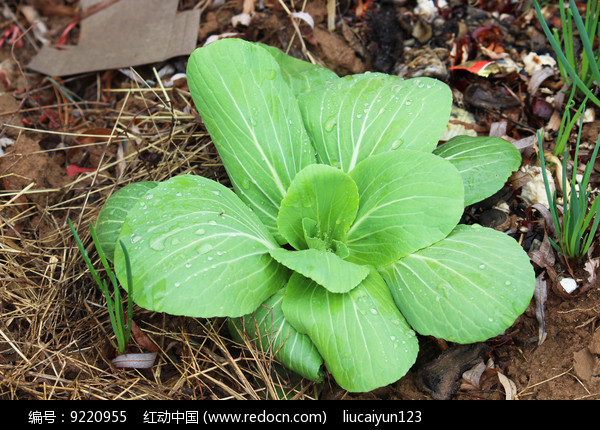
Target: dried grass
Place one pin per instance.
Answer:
(54, 327)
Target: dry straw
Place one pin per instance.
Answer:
(54, 328)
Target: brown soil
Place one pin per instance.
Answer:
(52, 318)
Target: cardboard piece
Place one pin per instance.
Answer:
(126, 33)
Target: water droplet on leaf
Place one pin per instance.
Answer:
(204, 248)
(397, 143)
(158, 244)
(331, 122)
(135, 238)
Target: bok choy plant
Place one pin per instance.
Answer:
(340, 239)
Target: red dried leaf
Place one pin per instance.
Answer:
(490, 37)
(141, 338)
(62, 40)
(481, 68)
(73, 170)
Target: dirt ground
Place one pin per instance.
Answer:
(53, 320)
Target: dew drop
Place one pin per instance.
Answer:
(204, 248)
(374, 311)
(397, 144)
(200, 231)
(158, 244)
(135, 238)
(482, 266)
(270, 74)
(331, 122)
(149, 196)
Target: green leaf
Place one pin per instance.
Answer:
(484, 162)
(300, 75)
(323, 267)
(268, 329)
(322, 199)
(197, 250)
(408, 200)
(466, 288)
(113, 213)
(253, 119)
(364, 340)
(352, 118)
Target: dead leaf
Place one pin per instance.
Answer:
(422, 31)
(74, 170)
(583, 363)
(87, 149)
(339, 56)
(490, 37)
(142, 339)
(538, 77)
(540, 294)
(591, 267)
(510, 388)
(472, 377)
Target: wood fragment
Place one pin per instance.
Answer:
(331, 15)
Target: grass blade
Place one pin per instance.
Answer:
(561, 56)
(114, 307)
(587, 44)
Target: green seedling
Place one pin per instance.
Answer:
(587, 71)
(341, 238)
(567, 123)
(121, 323)
(577, 228)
